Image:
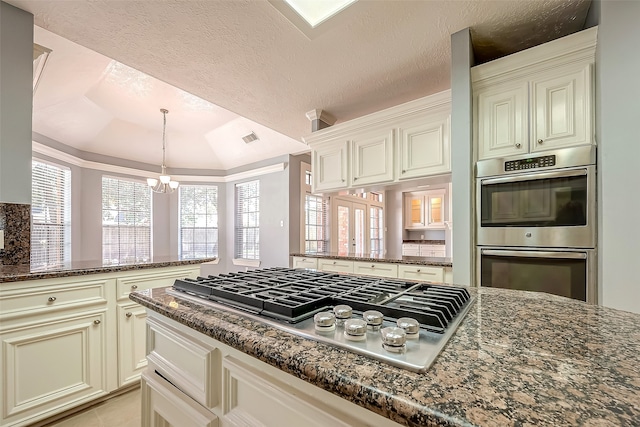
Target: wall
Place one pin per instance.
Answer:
(462, 158)
(16, 86)
(617, 118)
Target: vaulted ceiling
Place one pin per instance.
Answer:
(226, 68)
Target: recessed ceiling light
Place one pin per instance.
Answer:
(316, 12)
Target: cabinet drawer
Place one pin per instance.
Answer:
(336, 266)
(305, 263)
(421, 272)
(375, 269)
(34, 300)
(140, 282)
(190, 364)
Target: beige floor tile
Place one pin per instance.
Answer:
(88, 418)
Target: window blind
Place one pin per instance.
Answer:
(247, 221)
(316, 233)
(198, 219)
(376, 225)
(126, 221)
(50, 214)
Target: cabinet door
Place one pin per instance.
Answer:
(501, 118)
(424, 149)
(372, 156)
(562, 109)
(305, 262)
(414, 209)
(53, 366)
(163, 405)
(330, 166)
(434, 204)
(132, 352)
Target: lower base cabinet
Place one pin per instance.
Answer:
(68, 341)
(251, 392)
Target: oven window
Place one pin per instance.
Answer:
(564, 277)
(551, 202)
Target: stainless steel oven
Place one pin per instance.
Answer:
(536, 222)
(541, 200)
(570, 273)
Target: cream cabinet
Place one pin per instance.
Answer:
(251, 392)
(377, 269)
(423, 148)
(54, 346)
(410, 249)
(330, 166)
(425, 209)
(372, 157)
(298, 262)
(421, 273)
(68, 341)
(335, 265)
(537, 99)
(407, 141)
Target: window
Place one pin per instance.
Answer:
(376, 223)
(126, 221)
(315, 212)
(198, 221)
(248, 220)
(51, 214)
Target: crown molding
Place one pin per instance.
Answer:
(86, 164)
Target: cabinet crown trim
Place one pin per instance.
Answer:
(582, 44)
(439, 102)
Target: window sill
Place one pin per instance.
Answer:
(246, 262)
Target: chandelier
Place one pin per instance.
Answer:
(165, 184)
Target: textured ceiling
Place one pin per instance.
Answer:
(246, 57)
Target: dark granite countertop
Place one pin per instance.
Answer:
(518, 358)
(11, 273)
(376, 257)
(426, 242)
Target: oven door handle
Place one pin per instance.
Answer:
(535, 176)
(535, 254)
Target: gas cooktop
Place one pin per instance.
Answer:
(402, 323)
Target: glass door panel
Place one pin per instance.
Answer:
(343, 229)
(359, 228)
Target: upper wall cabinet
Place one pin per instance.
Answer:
(408, 141)
(538, 99)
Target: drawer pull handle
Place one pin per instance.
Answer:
(134, 287)
(96, 322)
(418, 271)
(51, 299)
(518, 145)
(373, 266)
(540, 141)
(128, 314)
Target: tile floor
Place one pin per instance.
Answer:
(120, 411)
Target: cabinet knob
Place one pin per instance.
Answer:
(343, 180)
(540, 141)
(355, 178)
(418, 271)
(128, 314)
(373, 266)
(96, 322)
(51, 299)
(518, 145)
(334, 262)
(134, 287)
(404, 171)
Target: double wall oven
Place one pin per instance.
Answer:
(536, 222)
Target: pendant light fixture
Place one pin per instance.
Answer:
(165, 184)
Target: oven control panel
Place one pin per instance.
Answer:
(530, 163)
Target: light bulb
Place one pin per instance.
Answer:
(173, 184)
(165, 179)
(152, 182)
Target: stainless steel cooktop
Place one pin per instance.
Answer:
(402, 323)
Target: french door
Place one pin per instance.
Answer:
(349, 227)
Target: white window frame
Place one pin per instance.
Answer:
(50, 214)
(142, 247)
(204, 220)
(247, 223)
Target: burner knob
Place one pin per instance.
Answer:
(373, 318)
(411, 327)
(342, 312)
(355, 329)
(325, 321)
(394, 339)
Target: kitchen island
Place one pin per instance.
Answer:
(518, 358)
